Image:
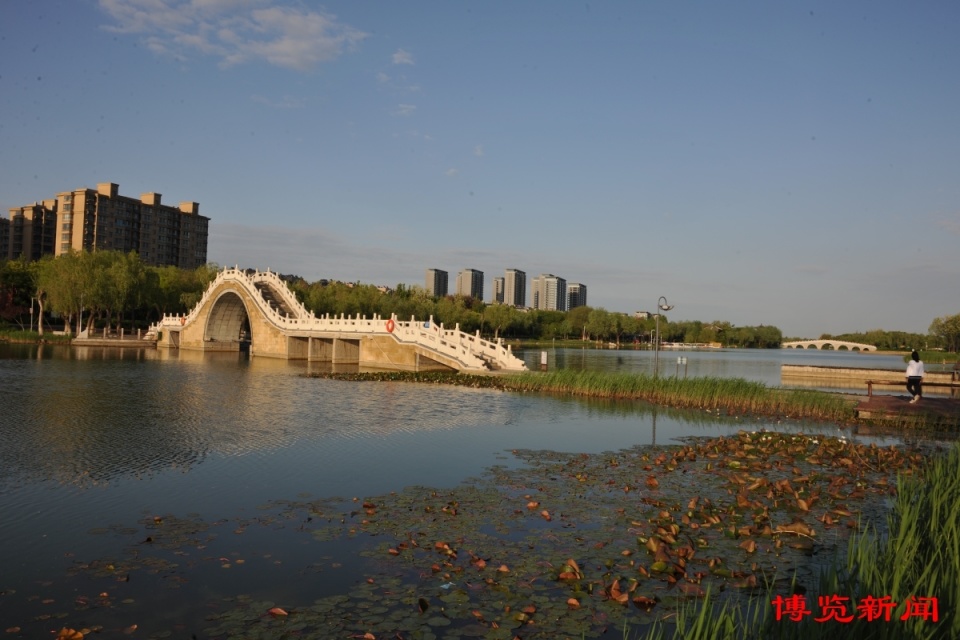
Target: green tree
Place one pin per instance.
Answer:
(577, 319)
(499, 317)
(947, 330)
(16, 290)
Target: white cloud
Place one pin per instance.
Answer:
(950, 225)
(405, 109)
(235, 31)
(478, 151)
(451, 172)
(402, 57)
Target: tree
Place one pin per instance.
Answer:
(498, 316)
(577, 319)
(947, 329)
(16, 289)
(600, 324)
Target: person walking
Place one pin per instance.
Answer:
(915, 377)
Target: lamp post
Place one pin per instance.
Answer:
(31, 314)
(661, 306)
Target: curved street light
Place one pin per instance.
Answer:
(662, 305)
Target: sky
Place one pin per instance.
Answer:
(794, 164)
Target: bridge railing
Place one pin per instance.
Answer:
(471, 351)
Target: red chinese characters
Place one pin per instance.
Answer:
(841, 608)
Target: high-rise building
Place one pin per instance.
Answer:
(498, 284)
(515, 288)
(436, 282)
(549, 292)
(101, 219)
(5, 238)
(576, 295)
(470, 283)
(32, 231)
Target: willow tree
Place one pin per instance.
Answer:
(63, 283)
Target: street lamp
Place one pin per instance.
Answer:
(661, 306)
(31, 314)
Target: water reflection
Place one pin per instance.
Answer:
(760, 365)
(99, 436)
(89, 416)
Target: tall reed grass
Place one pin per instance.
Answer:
(734, 395)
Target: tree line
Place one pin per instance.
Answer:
(113, 289)
(109, 289)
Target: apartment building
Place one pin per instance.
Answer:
(576, 295)
(436, 282)
(515, 288)
(549, 292)
(470, 283)
(31, 231)
(498, 284)
(101, 219)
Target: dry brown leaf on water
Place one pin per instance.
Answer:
(690, 589)
(797, 527)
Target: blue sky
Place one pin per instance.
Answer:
(785, 163)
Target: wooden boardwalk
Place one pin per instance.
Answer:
(932, 409)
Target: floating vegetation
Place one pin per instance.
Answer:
(564, 546)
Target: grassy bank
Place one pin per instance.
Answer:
(17, 335)
(730, 395)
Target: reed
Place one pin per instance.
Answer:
(917, 557)
(19, 335)
(735, 395)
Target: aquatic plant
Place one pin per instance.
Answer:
(731, 395)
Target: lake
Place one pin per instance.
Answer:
(101, 447)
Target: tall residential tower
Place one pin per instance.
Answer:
(436, 282)
(515, 288)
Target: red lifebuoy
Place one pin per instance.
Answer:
(390, 325)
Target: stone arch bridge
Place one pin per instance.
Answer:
(828, 344)
(257, 308)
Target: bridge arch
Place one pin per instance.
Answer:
(831, 344)
(228, 320)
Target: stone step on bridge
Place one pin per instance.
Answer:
(258, 309)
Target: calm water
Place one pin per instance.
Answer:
(760, 365)
(98, 441)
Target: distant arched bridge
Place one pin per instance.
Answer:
(828, 344)
(258, 308)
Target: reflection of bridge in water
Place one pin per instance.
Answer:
(258, 308)
(837, 345)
